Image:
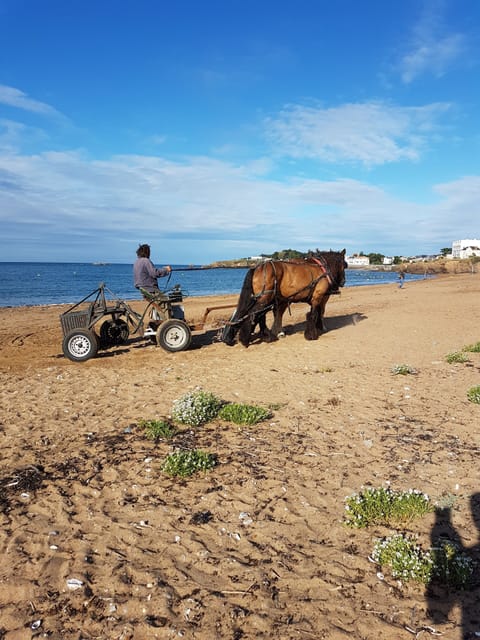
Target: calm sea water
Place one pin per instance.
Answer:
(41, 283)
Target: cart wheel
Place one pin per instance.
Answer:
(114, 332)
(174, 335)
(80, 344)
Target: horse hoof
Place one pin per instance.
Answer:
(271, 338)
(281, 334)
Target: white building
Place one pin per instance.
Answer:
(358, 261)
(465, 248)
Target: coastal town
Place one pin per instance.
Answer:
(461, 250)
(467, 249)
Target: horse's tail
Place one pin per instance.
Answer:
(241, 316)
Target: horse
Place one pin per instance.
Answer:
(275, 284)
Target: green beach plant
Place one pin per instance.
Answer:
(451, 566)
(444, 563)
(456, 356)
(473, 348)
(196, 408)
(158, 429)
(402, 370)
(473, 394)
(187, 462)
(243, 413)
(404, 557)
(385, 506)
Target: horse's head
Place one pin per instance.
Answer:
(337, 265)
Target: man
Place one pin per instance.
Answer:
(145, 273)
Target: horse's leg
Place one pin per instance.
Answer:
(321, 314)
(311, 329)
(257, 315)
(245, 331)
(261, 321)
(264, 332)
(278, 312)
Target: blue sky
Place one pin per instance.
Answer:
(229, 128)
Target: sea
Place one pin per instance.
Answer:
(49, 283)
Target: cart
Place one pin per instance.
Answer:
(98, 322)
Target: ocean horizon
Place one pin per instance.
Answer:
(50, 283)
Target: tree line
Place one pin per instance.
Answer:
(374, 258)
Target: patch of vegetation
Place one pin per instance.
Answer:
(473, 394)
(243, 413)
(196, 408)
(404, 557)
(158, 429)
(446, 501)
(186, 463)
(456, 356)
(473, 348)
(444, 563)
(385, 506)
(402, 370)
(450, 565)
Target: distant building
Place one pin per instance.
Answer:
(465, 248)
(424, 258)
(358, 261)
(387, 260)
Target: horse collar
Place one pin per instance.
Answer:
(321, 263)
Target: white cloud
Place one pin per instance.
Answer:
(372, 133)
(61, 204)
(15, 98)
(69, 196)
(432, 49)
(13, 133)
(460, 199)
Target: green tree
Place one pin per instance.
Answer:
(376, 258)
(287, 254)
(445, 251)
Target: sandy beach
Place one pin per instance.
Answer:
(98, 543)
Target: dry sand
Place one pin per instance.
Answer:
(257, 547)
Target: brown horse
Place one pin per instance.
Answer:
(275, 284)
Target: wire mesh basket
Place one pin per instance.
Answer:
(74, 320)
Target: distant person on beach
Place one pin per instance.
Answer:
(401, 279)
(145, 274)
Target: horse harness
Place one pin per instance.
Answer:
(318, 261)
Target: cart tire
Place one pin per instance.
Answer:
(113, 333)
(80, 345)
(174, 335)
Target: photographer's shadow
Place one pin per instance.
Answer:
(441, 599)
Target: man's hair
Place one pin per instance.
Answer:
(143, 251)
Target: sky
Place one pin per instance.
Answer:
(222, 129)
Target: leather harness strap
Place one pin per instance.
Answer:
(311, 285)
(323, 265)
